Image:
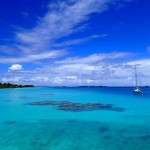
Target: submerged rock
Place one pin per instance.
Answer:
(77, 107)
(9, 122)
(145, 137)
(104, 129)
(40, 103)
(107, 137)
(119, 109)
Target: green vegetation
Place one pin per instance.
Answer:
(9, 85)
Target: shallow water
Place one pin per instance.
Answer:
(25, 127)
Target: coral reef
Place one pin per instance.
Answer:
(9, 122)
(77, 107)
(104, 129)
(145, 137)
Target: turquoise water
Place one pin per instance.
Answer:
(26, 127)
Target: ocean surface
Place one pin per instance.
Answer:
(45, 127)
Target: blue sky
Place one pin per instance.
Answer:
(74, 42)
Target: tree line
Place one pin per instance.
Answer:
(9, 85)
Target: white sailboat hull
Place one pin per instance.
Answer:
(137, 91)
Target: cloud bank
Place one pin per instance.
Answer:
(90, 70)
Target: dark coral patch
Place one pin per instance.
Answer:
(107, 137)
(119, 109)
(145, 137)
(24, 97)
(8, 100)
(125, 116)
(129, 138)
(104, 129)
(121, 131)
(77, 107)
(72, 121)
(40, 103)
(46, 94)
(9, 122)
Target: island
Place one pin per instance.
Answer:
(9, 85)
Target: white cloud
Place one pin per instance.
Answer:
(140, 62)
(15, 67)
(79, 41)
(57, 81)
(12, 79)
(71, 77)
(40, 79)
(7, 49)
(34, 57)
(148, 49)
(61, 20)
(94, 58)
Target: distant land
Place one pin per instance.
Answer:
(100, 86)
(9, 85)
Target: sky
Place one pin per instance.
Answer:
(75, 42)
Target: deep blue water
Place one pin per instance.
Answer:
(27, 127)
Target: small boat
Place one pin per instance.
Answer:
(137, 90)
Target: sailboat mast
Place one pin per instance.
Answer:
(136, 89)
(135, 76)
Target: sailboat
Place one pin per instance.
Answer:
(136, 88)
